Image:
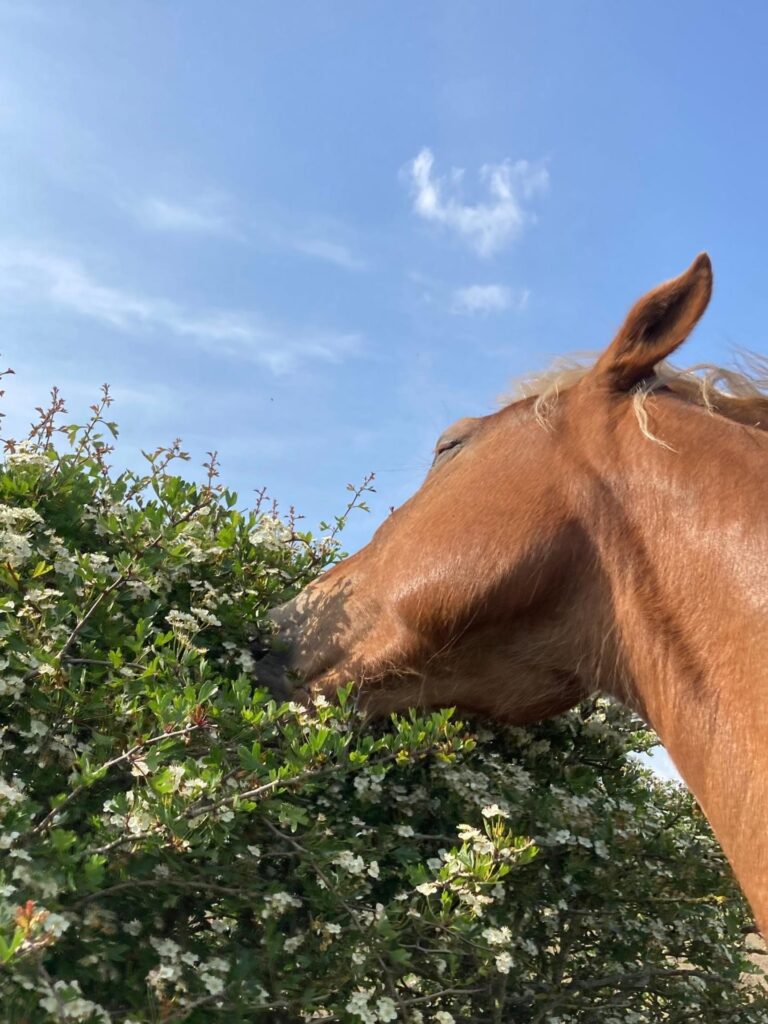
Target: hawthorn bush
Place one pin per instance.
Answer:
(177, 846)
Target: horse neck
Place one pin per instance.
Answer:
(683, 542)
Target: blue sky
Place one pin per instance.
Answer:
(310, 235)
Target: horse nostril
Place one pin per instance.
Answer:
(259, 649)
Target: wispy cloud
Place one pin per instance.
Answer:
(212, 215)
(489, 298)
(204, 217)
(329, 252)
(36, 276)
(486, 226)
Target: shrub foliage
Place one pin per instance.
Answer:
(177, 846)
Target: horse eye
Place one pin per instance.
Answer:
(445, 446)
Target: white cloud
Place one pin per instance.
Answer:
(330, 252)
(203, 218)
(486, 226)
(34, 276)
(488, 298)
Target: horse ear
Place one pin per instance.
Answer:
(656, 325)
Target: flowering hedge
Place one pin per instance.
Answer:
(176, 846)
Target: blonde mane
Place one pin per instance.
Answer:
(739, 393)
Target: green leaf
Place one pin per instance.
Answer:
(7, 949)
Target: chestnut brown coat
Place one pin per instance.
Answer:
(607, 534)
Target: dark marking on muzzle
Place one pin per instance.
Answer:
(273, 668)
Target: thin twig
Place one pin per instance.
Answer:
(267, 787)
(352, 911)
(148, 883)
(127, 756)
(124, 575)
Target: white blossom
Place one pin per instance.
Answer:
(358, 1006)
(64, 1001)
(271, 532)
(276, 903)
(385, 1008)
(15, 548)
(497, 936)
(205, 617)
(165, 947)
(213, 983)
(494, 811)
(12, 791)
(350, 862)
(503, 962)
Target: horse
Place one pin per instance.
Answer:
(604, 532)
